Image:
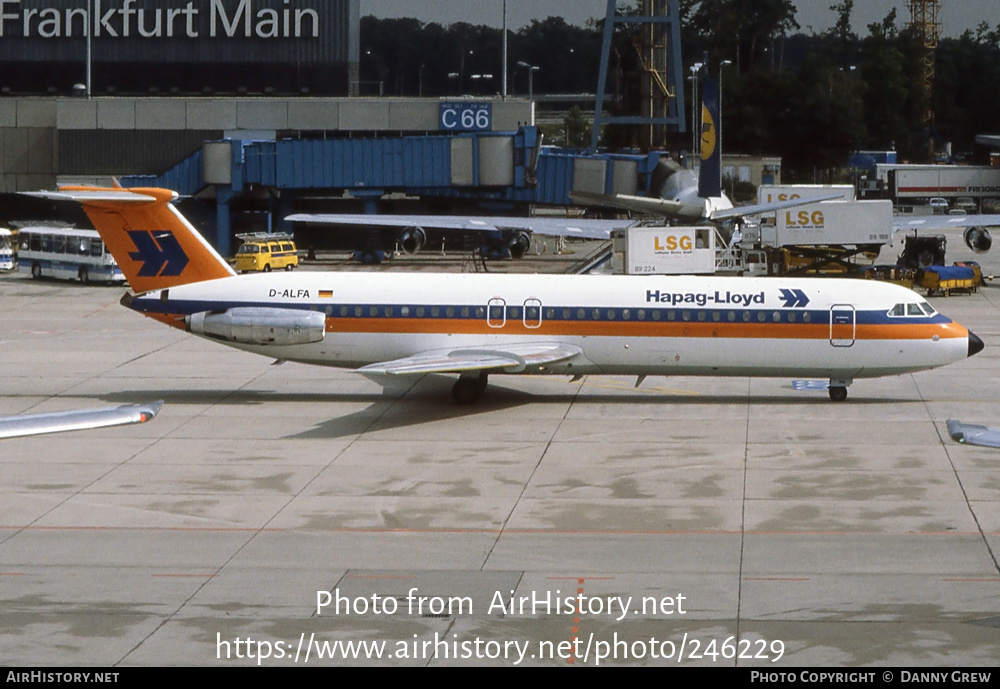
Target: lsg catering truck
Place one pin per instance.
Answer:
(822, 237)
(654, 250)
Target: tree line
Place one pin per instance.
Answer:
(811, 98)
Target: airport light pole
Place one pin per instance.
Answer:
(531, 77)
(695, 68)
(718, 125)
(503, 87)
(90, 30)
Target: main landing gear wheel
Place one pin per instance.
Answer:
(467, 390)
(838, 393)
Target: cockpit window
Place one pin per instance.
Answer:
(916, 310)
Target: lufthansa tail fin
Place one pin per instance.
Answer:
(710, 176)
(154, 245)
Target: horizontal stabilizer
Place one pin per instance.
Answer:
(93, 195)
(84, 419)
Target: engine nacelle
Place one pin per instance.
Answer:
(518, 244)
(259, 326)
(412, 239)
(978, 239)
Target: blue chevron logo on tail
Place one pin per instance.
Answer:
(160, 253)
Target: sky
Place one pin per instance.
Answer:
(816, 16)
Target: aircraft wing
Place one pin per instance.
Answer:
(508, 358)
(84, 419)
(550, 226)
(943, 222)
(758, 208)
(971, 434)
(669, 208)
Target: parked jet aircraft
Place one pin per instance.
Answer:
(480, 324)
(680, 196)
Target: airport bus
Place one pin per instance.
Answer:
(6, 249)
(65, 252)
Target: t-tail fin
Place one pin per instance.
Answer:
(154, 245)
(710, 176)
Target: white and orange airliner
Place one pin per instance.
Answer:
(482, 324)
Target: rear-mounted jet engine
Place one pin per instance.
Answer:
(259, 326)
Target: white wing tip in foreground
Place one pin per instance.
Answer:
(84, 419)
(972, 434)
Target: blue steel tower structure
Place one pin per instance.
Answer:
(658, 43)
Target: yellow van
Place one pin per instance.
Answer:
(265, 252)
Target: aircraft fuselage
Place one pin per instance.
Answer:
(638, 325)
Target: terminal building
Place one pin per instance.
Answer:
(251, 108)
(172, 46)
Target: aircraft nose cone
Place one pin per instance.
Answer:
(975, 344)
